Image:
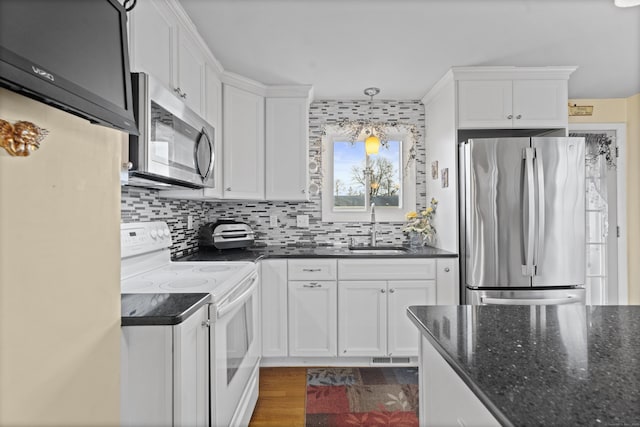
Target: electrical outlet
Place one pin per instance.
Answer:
(302, 221)
(273, 221)
(189, 222)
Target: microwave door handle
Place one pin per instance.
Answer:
(205, 136)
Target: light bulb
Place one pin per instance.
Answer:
(372, 144)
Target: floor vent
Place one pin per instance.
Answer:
(390, 360)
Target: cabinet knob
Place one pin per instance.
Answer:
(510, 116)
(227, 189)
(184, 95)
(128, 166)
(447, 269)
(382, 291)
(345, 351)
(303, 191)
(206, 323)
(519, 116)
(391, 291)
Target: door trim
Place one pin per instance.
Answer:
(621, 194)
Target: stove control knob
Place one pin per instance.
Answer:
(153, 234)
(166, 232)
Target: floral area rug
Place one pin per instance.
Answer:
(347, 397)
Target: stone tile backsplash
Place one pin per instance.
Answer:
(140, 204)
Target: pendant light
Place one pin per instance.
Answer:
(627, 3)
(372, 142)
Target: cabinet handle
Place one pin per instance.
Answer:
(303, 191)
(510, 116)
(227, 189)
(184, 95)
(312, 285)
(519, 116)
(311, 270)
(391, 290)
(345, 351)
(382, 291)
(178, 91)
(447, 269)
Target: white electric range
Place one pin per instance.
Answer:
(234, 353)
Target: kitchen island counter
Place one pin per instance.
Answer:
(541, 365)
(257, 253)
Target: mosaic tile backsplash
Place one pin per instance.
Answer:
(140, 204)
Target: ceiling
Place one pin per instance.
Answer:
(404, 46)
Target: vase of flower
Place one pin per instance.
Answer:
(420, 226)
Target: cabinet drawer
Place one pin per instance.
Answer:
(386, 269)
(312, 269)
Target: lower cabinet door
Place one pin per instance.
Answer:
(362, 318)
(403, 338)
(312, 318)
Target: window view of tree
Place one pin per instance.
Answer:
(354, 172)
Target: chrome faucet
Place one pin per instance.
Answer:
(374, 237)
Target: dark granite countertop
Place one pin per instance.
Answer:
(160, 309)
(257, 253)
(543, 365)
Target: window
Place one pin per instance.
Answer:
(354, 180)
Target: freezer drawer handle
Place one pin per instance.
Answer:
(528, 301)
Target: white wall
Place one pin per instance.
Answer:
(59, 273)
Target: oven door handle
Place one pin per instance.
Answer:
(232, 302)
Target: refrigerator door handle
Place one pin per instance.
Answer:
(541, 205)
(528, 268)
(529, 301)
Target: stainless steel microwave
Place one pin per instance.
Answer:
(176, 147)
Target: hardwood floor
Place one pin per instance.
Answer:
(281, 399)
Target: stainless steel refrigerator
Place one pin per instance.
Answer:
(522, 220)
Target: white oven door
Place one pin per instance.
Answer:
(235, 344)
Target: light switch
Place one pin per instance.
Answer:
(189, 222)
(273, 221)
(302, 221)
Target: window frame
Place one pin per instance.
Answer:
(383, 213)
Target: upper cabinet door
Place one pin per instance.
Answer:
(191, 73)
(540, 103)
(287, 148)
(152, 40)
(485, 104)
(243, 135)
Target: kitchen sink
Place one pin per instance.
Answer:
(378, 250)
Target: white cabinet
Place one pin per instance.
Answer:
(402, 339)
(243, 135)
(273, 296)
(372, 318)
(445, 400)
(152, 40)
(287, 148)
(505, 104)
(162, 46)
(362, 318)
(190, 80)
(447, 282)
(312, 307)
(164, 373)
(312, 318)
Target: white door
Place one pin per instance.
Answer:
(312, 319)
(362, 318)
(403, 338)
(606, 254)
(243, 137)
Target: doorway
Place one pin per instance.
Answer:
(606, 275)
